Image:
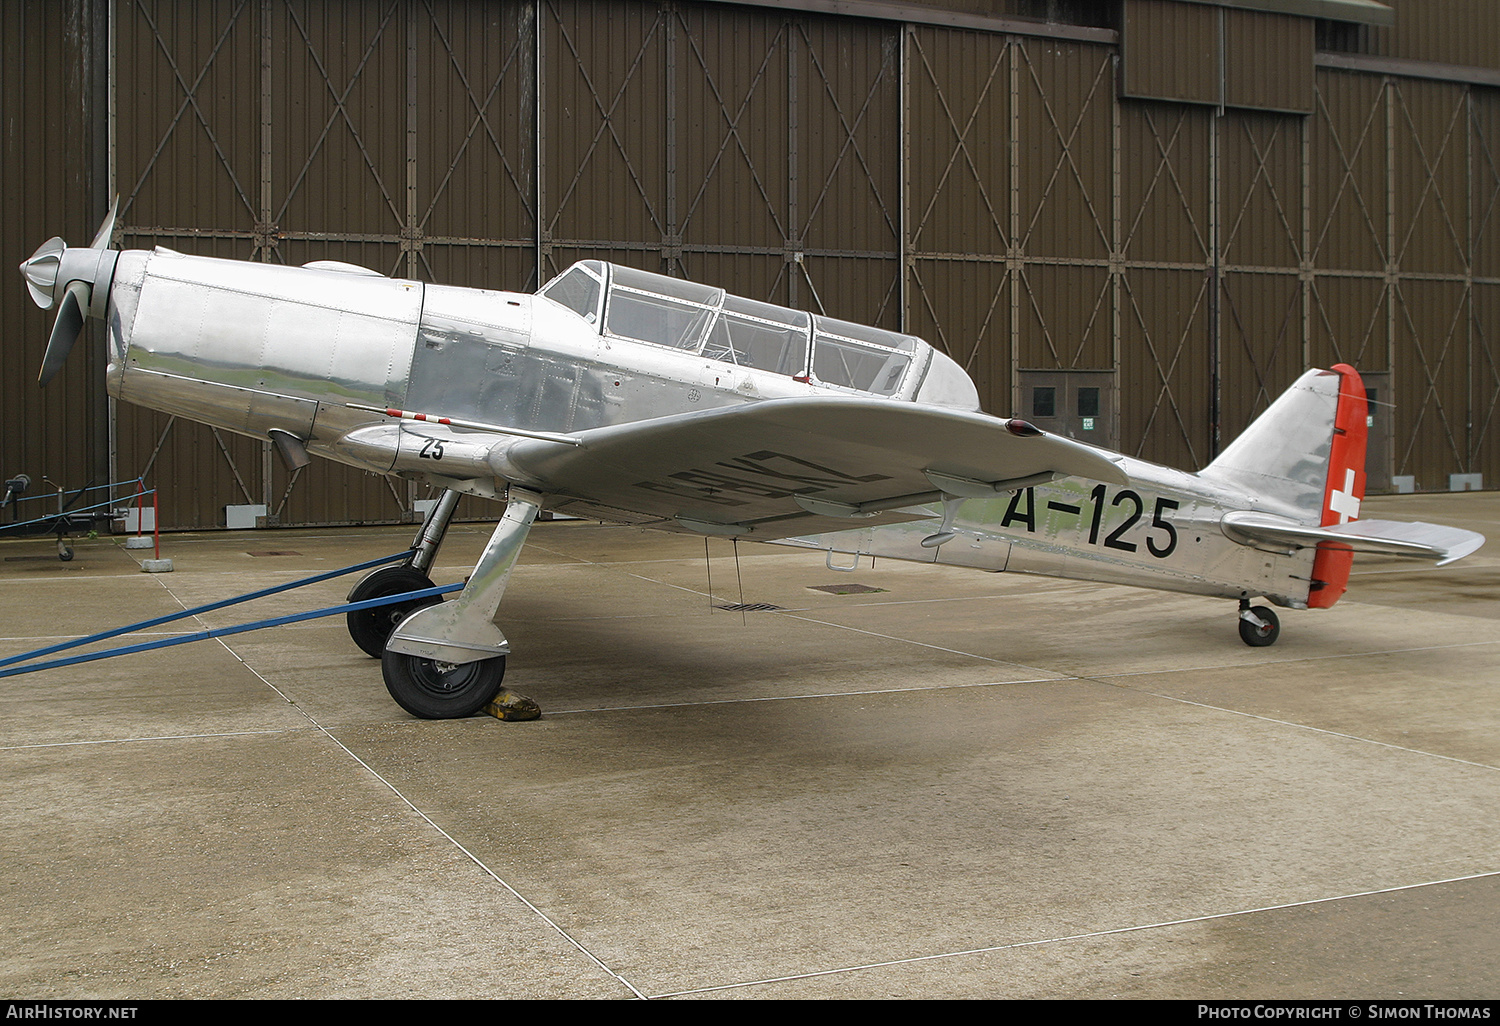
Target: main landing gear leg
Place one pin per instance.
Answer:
(1258, 625)
(371, 628)
(448, 660)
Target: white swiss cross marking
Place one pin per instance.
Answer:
(1343, 502)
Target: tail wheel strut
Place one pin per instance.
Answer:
(1259, 625)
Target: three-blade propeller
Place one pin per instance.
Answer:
(77, 282)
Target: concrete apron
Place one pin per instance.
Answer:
(958, 785)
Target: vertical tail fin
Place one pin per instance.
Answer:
(1305, 458)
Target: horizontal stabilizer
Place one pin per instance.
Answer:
(1386, 537)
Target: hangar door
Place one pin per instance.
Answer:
(991, 190)
(394, 135)
(493, 144)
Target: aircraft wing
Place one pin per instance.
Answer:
(1387, 537)
(760, 469)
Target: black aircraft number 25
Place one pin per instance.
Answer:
(1022, 510)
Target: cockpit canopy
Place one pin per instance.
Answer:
(626, 303)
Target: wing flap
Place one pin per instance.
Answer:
(743, 468)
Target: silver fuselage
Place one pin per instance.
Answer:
(254, 348)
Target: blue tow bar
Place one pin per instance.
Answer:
(11, 670)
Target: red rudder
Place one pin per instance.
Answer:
(1345, 488)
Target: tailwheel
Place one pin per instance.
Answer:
(1259, 626)
(435, 690)
(371, 628)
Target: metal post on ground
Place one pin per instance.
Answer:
(157, 565)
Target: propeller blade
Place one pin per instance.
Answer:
(102, 240)
(65, 331)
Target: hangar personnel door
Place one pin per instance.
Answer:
(1378, 448)
(1078, 404)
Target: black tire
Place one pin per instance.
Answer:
(371, 628)
(441, 691)
(1260, 637)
